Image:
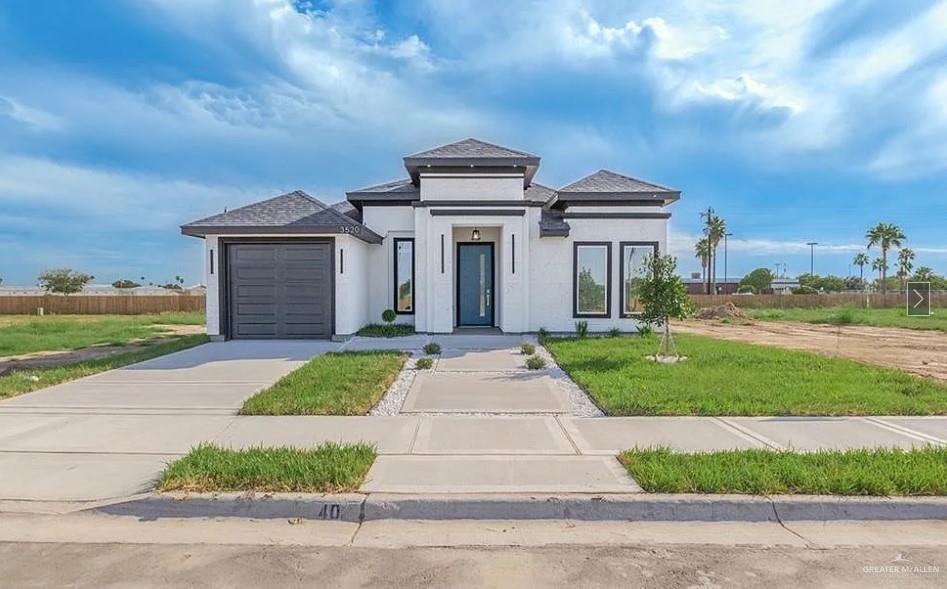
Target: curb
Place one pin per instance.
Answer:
(640, 507)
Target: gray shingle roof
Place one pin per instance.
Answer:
(293, 212)
(470, 148)
(395, 190)
(538, 193)
(610, 182)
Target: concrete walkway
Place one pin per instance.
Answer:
(110, 435)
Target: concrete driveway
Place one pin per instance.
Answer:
(110, 435)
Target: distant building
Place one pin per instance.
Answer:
(696, 285)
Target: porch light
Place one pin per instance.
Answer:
(475, 235)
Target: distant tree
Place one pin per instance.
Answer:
(64, 280)
(592, 296)
(171, 286)
(926, 274)
(804, 290)
(714, 230)
(854, 283)
(760, 279)
(746, 289)
(905, 265)
(125, 283)
(702, 253)
(880, 266)
(663, 297)
(861, 260)
(884, 235)
(822, 283)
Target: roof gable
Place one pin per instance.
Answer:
(606, 185)
(474, 154)
(470, 148)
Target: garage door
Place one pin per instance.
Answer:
(280, 290)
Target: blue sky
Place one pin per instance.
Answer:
(797, 121)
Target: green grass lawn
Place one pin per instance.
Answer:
(732, 378)
(328, 468)
(337, 383)
(22, 381)
(23, 334)
(853, 316)
(765, 472)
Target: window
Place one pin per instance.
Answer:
(404, 276)
(592, 279)
(633, 256)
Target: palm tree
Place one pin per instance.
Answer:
(861, 260)
(702, 252)
(714, 230)
(880, 266)
(884, 235)
(905, 265)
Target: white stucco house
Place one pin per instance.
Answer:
(467, 240)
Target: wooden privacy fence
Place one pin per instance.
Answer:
(938, 299)
(99, 305)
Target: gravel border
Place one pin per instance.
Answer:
(582, 404)
(393, 399)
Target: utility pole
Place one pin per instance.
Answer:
(812, 245)
(725, 274)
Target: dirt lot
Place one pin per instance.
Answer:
(916, 351)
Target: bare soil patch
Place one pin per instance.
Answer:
(52, 359)
(919, 352)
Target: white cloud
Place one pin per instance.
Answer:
(33, 117)
(746, 90)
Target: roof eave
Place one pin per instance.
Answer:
(414, 164)
(359, 231)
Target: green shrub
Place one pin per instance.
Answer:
(582, 329)
(386, 330)
(424, 363)
(527, 349)
(388, 316)
(804, 290)
(542, 335)
(843, 317)
(645, 330)
(746, 289)
(614, 332)
(535, 362)
(432, 348)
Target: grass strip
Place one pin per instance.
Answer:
(884, 472)
(327, 468)
(895, 317)
(337, 383)
(18, 382)
(723, 377)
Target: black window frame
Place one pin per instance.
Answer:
(621, 273)
(394, 254)
(576, 314)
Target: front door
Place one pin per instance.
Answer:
(475, 292)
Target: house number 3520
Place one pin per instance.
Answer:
(350, 229)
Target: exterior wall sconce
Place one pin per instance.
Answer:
(475, 234)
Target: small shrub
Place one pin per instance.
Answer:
(424, 363)
(543, 335)
(535, 362)
(388, 316)
(527, 349)
(614, 332)
(432, 348)
(387, 330)
(645, 330)
(843, 317)
(582, 329)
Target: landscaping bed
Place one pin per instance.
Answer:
(733, 378)
(18, 382)
(880, 472)
(337, 383)
(327, 468)
(387, 330)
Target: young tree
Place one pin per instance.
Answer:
(663, 297)
(125, 283)
(884, 235)
(861, 260)
(64, 280)
(702, 252)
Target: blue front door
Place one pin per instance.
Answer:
(475, 292)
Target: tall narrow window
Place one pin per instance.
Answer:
(513, 253)
(592, 277)
(211, 261)
(404, 276)
(633, 257)
(341, 261)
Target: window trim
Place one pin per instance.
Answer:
(621, 273)
(394, 254)
(575, 280)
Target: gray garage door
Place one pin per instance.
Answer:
(280, 290)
